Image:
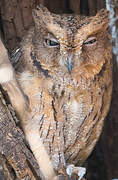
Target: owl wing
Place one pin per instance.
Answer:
(15, 55)
(21, 105)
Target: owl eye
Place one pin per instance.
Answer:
(52, 43)
(90, 41)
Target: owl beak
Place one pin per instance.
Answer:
(69, 64)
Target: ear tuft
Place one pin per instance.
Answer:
(40, 7)
(101, 20)
(41, 15)
(103, 15)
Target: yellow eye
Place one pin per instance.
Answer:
(90, 41)
(49, 42)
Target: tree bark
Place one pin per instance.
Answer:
(111, 124)
(16, 157)
(16, 18)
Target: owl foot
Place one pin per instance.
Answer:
(79, 171)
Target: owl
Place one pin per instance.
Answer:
(63, 85)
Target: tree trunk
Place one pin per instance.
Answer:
(16, 157)
(111, 124)
(16, 18)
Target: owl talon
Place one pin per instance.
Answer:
(80, 171)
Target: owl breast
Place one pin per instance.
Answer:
(68, 111)
(80, 103)
(65, 71)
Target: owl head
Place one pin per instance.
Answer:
(70, 43)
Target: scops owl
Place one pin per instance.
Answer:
(65, 74)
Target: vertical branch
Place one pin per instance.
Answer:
(111, 125)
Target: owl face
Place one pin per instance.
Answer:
(70, 41)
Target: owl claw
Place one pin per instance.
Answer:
(80, 171)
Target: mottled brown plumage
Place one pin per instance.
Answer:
(65, 71)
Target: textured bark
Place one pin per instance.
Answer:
(111, 124)
(16, 158)
(16, 19)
